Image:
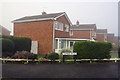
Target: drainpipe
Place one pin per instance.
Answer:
(90, 35)
(53, 35)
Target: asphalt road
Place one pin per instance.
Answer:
(106, 70)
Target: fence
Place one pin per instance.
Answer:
(28, 60)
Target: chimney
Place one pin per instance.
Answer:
(77, 23)
(44, 13)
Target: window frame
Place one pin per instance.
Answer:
(58, 26)
(66, 27)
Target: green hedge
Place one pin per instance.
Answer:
(92, 50)
(21, 43)
(7, 45)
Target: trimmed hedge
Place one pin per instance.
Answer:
(21, 43)
(7, 45)
(92, 50)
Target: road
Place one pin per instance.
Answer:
(97, 70)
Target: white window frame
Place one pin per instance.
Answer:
(58, 24)
(66, 28)
(71, 33)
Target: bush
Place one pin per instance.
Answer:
(53, 56)
(66, 56)
(7, 45)
(92, 50)
(21, 43)
(24, 55)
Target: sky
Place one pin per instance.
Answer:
(103, 13)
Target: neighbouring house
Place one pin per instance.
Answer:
(4, 31)
(111, 38)
(101, 35)
(116, 41)
(83, 31)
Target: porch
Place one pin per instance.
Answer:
(66, 43)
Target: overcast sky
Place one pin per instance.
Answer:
(103, 13)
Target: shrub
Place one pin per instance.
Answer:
(92, 50)
(21, 43)
(7, 45)
(66, 56)
(24, 55)
(53, 56)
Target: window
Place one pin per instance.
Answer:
(66, 28)
(63, 44)
(59, 26)
(71, 33)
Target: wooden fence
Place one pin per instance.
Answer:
(28, 60)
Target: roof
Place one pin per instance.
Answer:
(101, 31)
(83, 27)
(110, 35)
(52, 16)
(3, 28)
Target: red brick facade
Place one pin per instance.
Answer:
(41, 31)
(82, 34)
(62, 33)
(101, 37)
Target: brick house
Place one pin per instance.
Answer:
(83, 31)
(101, 35)
(51, 31)
(111, 38)
(4, 31)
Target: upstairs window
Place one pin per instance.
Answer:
(59, 26)
(66, 28)
(71, 33)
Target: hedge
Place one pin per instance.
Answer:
(92, 50)
(7, 45)
(21, 43)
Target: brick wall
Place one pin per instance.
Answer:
(41, 31)
(100, 37)
(62, 33)
(84, 34)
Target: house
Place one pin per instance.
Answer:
(111, 38)
(101, 35)
(116, 41)
(50, 31)
(83, 31)
(4, 31)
